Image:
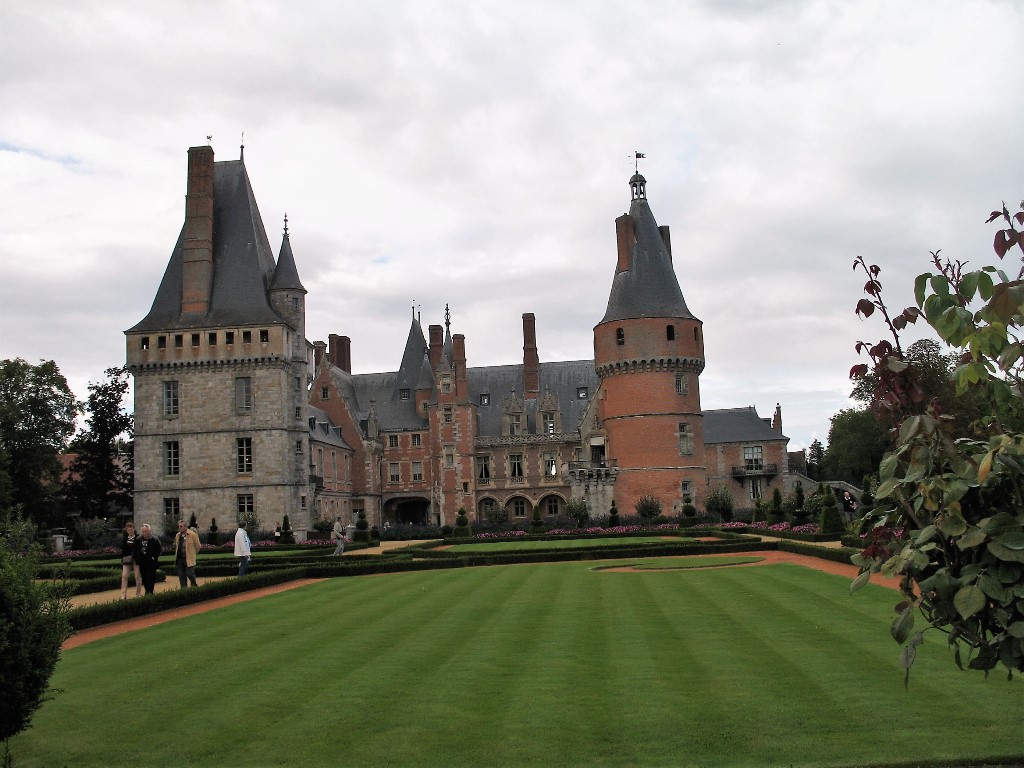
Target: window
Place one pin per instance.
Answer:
(298, 414)
(320, 462)
(297, 384)
(298, 447)
(245, 506)
(670, 332)
(620, 336)
(403, 394)
(243, 394)
(519, 507)
(144, 342)
(449, 459)
(179, 340)
(302, 501)
(515, 424)
(682, 384)
(195, 339)
(687, 488)
(446, 382)
(581, 393)
(172, 507)
(448, 414)
(485, 399)
(295, 302)
(483, 469)
(550, 465)
(549, 423)
(394, 473)
(264, 336)
(755, 488)
(170, 398)
(416, 441)
(515, 465)
(553, 506)
(229, 337)
(247, 337)
(753, 459)
(161, 342)
(172, 458)
(325, 393)
(243, 455)
(417, 471)
(212, 339)
(685, 439)
(392, 441)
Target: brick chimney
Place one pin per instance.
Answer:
(436, 334)
(340, 352)
(459, 361)
(777, 419)
(625, 237)
(197, 264)
(319, 349)
(531, 362)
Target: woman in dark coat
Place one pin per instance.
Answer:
(129, 560)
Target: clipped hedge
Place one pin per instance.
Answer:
(836, 555)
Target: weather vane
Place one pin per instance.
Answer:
(636, 161)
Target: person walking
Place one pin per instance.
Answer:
(148, 549)
(243, 549)
(186, 548)
(129, 561)
(339, 537)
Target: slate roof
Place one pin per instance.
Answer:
(286, 275)
(737, 425)
(649, 287)
(322, 429)
(243, 263)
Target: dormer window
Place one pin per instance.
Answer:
(403, 394)
(325, 393)
(549, 423)
(485, 399)
(446, 382)
(515, 424)
(581, 393)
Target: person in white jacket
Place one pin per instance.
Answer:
(243, 549)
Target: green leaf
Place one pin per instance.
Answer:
(1005, 553)
(972, 538)
(902, 625)
(969, 600)
(886, 488)
(925, 534)
(952, 524)
(1016, 629)
(991, 587)
(1011, 539)
(860, 581)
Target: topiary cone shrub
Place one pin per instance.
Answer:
(687, 519)
(362, 532)
(461, 525)
(537, 524)
(213, 537)
(287, 534)
(775, 511)
(613, 515)
(831, 520)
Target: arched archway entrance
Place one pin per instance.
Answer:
(407, 510)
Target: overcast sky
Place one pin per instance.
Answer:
(477, 154)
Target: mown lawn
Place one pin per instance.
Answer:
(542, 665)
(591, 543)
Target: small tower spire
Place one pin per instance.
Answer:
(447, 319)
(286, 225)
(241, 148)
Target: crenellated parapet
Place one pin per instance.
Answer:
(652, 365)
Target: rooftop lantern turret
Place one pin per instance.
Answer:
(638, 184)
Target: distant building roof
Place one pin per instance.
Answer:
(737, 425)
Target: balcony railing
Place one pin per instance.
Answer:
(755, 469)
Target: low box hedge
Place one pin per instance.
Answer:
(836, 555)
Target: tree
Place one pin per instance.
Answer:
(100, 478)
(856, 443)
(648, 507)
(33, 625)
(578, 511)
(37, 416)
(496, 514)
(949, 514)
(719, 503)
(815, 459)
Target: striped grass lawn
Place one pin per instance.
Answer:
(594, 543)
(527, 665)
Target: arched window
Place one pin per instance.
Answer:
(670, 332)
(695, 334)
(620, 336)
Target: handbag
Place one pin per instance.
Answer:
(127, 560)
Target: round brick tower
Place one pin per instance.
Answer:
(649, 353)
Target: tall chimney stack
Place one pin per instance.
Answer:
(531, 362)
(459, 361)
(436, 333)
(197, 264)
(625, 237)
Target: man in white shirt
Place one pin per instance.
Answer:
(243, 549)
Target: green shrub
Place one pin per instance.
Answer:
(362, 532)
(537, 523)
(462, 530)
(776, 514)
(446, 531)
(689, 510)
(578, 511)
(831, 519)
(213, 537)
(287, 533)
(613, 515)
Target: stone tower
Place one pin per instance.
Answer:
(220, 366)
(649, 353)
